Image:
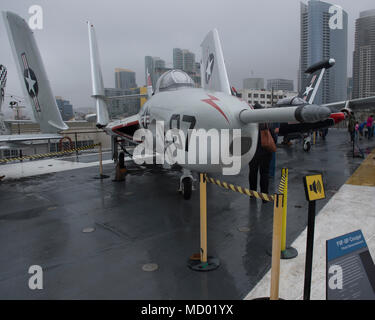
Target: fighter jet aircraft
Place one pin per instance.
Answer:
(35, 84)
(176, 102)
(306, 96)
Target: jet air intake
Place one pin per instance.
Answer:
(307, 113)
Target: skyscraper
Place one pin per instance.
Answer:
(155, 67)
(319, 41)
(364, 55)
(65, 108)
(184, 60)
(124, 79)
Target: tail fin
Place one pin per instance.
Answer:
(3, 82)
(32, 74)
(214, 73)
(149, 85)
(316, 72)
(97, 80)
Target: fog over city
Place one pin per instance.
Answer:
(259, 38)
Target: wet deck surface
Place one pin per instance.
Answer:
(144, 220)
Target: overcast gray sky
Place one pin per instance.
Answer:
(259, 36)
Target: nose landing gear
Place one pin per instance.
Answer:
(186, 184)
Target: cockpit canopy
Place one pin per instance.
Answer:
(291, 101)
(173, 80)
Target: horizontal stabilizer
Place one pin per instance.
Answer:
(28, 137)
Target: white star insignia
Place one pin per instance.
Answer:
(30, 82)
(308, 89)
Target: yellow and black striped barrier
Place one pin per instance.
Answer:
(207, 263)
(250, 193)
(48, 155)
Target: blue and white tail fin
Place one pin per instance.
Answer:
(316, 72)
(97, 80)
(32, 74)
(213, 72)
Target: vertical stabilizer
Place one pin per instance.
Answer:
(3, 81)
(316, 73)
(213, 71)
(32, 74)
(97, 80)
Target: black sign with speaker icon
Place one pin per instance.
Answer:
(314, 187)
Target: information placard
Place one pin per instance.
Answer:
(350, 270)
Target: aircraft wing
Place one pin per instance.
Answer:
(124, 97)
(353, 104)
(306, 113)
(18, 121)
(28, 137)
(126, 127)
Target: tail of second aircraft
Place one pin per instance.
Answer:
(32, 74)
(213, 71)
(316, 73)
(97, 80)
(3, 81)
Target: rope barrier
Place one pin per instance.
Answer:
(50, 154)
(250, 193)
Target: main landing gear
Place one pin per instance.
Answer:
(307, 143)
(186, 184)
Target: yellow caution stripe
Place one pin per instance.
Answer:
(282, 184)
(50, 154)
(250, 193)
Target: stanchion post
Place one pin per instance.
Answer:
(204, 263)
(100, 159)
(76, 143)
(203, 216)
(286, 253)
(284, 173)
(101, 175)
(276, 246)
(309, 250)
(314, 190)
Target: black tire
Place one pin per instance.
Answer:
(307, 146)
(121, 160)
(187, 185)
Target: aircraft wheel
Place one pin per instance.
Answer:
(187, 188)
(121, 159)
(307, 146)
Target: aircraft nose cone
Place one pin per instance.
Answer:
(314, 113)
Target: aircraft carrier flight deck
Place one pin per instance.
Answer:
(101, 239)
